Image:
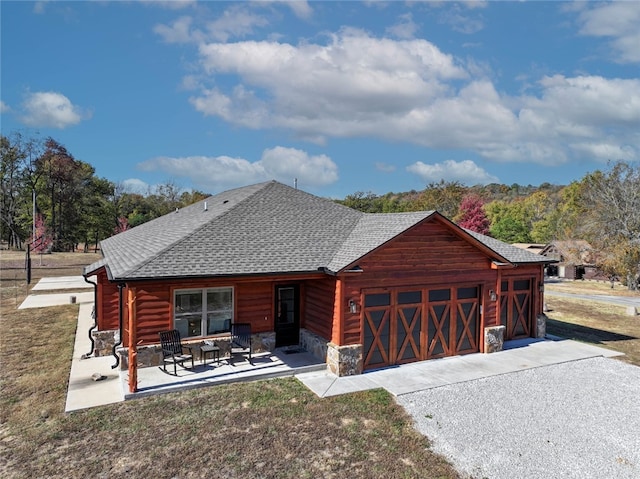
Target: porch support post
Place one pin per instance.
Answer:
(338, 314)
(133, 350)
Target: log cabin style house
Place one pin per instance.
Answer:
(359, 290)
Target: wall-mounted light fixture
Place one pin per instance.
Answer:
(492, 295)
(353, 307)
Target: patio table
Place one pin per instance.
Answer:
(209, 349)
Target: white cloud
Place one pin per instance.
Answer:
(135, 185)
(357, 85)
(605, 151)
(50, 109)
(301, 8)
(461, 21)
(179, 31)
(236, 21)
(466, 172)
(279, 163)
(618, 20)
(4, 108)
(405, 27)
(351, 86)
(289, 163)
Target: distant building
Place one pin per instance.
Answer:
(576, 259)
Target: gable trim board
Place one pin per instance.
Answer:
(256, 238)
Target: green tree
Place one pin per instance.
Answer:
(509, 221)
(12, 157)
(366, 202)
(443, 196)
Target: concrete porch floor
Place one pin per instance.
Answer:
(279, 363)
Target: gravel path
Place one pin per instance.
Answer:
(572, 420)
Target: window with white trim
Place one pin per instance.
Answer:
(203, 312)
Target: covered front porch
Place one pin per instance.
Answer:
(94, 382)
(279, 363)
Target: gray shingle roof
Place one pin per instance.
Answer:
(511, 253)
(258, 229)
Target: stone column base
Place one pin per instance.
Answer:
(103, 342)
(541, 326)
(344, 360)
(494, 338)
(314, 344)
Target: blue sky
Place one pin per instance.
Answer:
(343, 96)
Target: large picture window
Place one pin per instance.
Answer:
(203, 312)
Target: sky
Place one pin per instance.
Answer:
(345, 97)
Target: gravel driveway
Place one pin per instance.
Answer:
(578, 419)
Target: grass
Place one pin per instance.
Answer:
(267, 429)
(594, 322)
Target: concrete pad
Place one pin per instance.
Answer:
(419, 376)
(46, 300)
(83, 391)
(63, 282)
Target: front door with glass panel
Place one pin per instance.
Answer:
(287, 315)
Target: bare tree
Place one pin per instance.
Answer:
(613, 218)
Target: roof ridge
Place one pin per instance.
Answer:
(203, 225)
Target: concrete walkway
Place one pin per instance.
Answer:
(63, 282)
(84, 392)
(78, 292)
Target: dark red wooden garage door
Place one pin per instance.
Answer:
(402, 326)
(516, 307)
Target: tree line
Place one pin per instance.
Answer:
(52, 201)
(602, 208)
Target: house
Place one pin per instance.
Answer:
(534, 248)
(359, 290)
(575, 259)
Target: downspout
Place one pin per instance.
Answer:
(120, 308)
(94, 314)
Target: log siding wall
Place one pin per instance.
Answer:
(253, 302)
(318, 313)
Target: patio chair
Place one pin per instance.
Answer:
(173, 350)
(240, 340)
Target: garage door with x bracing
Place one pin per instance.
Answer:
(516, 307)
(402, 326)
